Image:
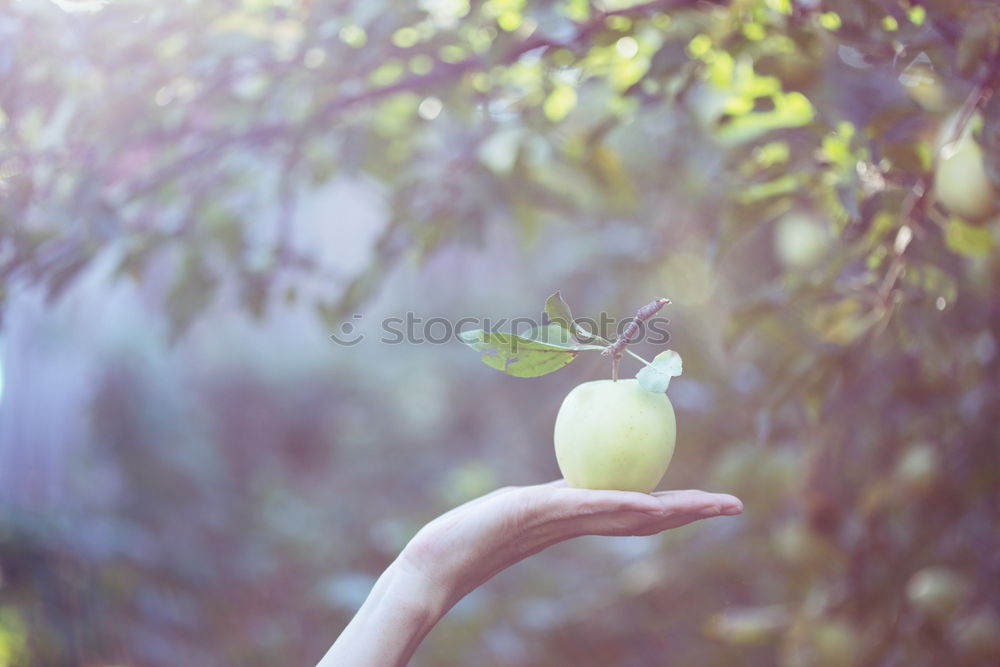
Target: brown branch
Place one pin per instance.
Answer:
(643, 314)
(916, 198)
(977, 99)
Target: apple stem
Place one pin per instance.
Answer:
(629, 352)
(615, 360)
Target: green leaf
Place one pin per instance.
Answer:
(520, 356)
(558, 311)
(560, 102)
(578, 10)
(780, 186)
(791, 109)
(656, 376)
(968, 240)
(842, 322)
(553, 334)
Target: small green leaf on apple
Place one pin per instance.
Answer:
(657, 375)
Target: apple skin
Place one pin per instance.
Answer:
(800, 241)
(961, 183)
(615, 435)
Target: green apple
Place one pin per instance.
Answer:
(800, 241)
(615, 435)
(961, 183)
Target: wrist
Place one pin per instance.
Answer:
(420, 597)
(401, 609)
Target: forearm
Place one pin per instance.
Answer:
(400, 610)
(460, 550)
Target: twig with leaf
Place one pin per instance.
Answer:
(548, 348)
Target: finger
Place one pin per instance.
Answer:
(566, 502)
(677, 509)
(695, 501)
(549, 502)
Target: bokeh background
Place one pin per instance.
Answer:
(195, 195)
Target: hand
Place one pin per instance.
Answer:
(463, 548)
(468, 545)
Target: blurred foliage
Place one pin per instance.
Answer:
(767, 164)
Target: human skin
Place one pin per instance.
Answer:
(458, 551)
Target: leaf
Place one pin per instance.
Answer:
(842, 322)
(656, 376)
(553, 334)
(968, 240)
(558, 311)
(782, 185)
(578, 10)
(560, 102)
(519, 356)
(932, 281)
(790, 110)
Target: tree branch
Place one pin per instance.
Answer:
(978, 98)
(442, 72)
(643, 314)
